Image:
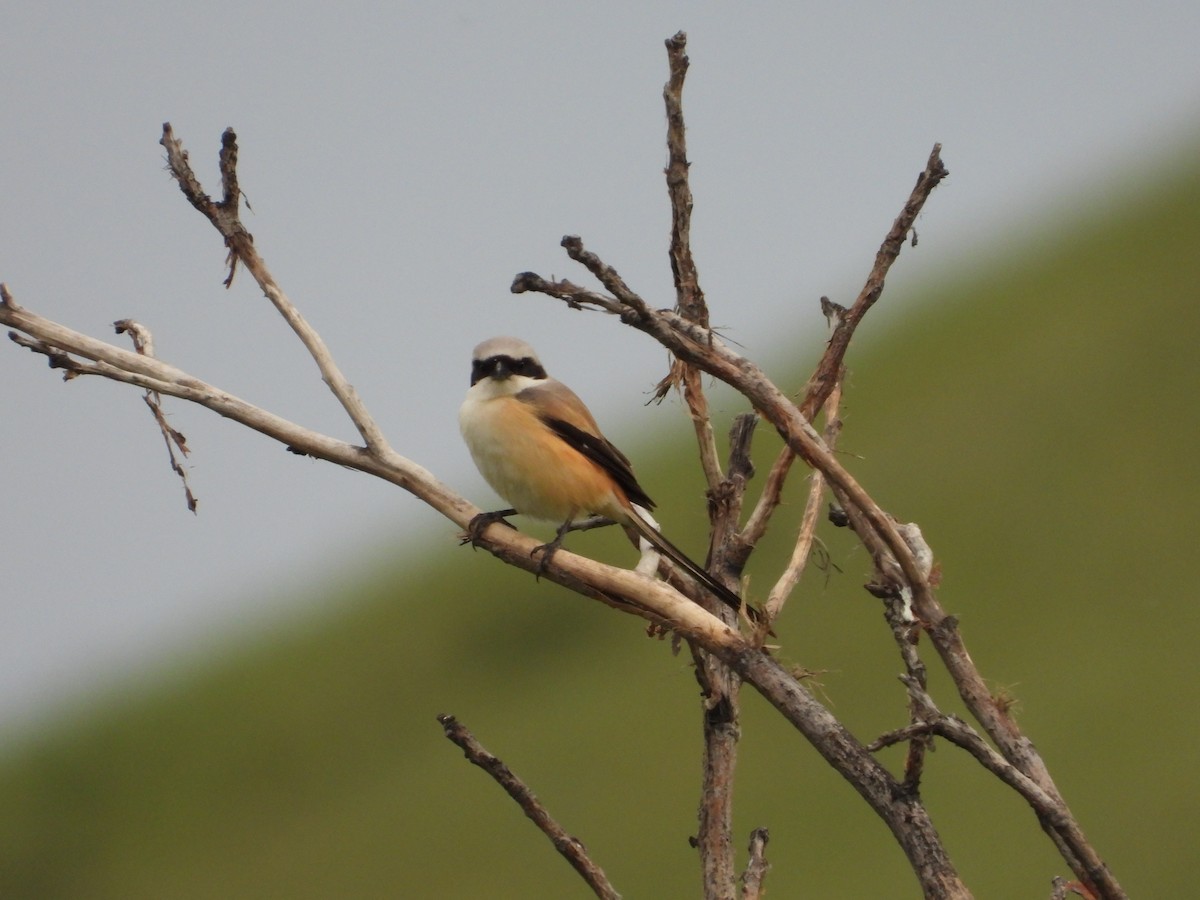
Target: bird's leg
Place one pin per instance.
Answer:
(549, 550)
(591, 522)
(476, 526)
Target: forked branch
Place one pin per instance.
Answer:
(903, 564)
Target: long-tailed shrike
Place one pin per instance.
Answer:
(539, 448)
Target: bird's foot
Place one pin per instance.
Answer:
(477, 525)
(547, 551)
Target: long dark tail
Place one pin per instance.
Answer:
(643, 528)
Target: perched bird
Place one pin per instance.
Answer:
(539, 448)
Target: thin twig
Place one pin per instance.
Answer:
(772, 493)
(844, 322)
(630, 302)
(683, 266)
(768, 500)
(224, 217)
(573, 295)
(826, 374)
(706, 439)
(959, 733)
(808, 525)
(570, 847)
(143, 343)
(689, 297)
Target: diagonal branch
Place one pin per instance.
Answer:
(570, 847)
(802, 549)
(224, 217)
(844, 323)
(624, 589)
(701, 347)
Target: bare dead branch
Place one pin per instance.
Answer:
(719, 686)
(706, 442)
(844, 322)
(573, 295)
(826, 374)
(143, 343)
(901, 571)
(630, 303)
(768, 500)
(727, 502)
(55, 357)
(903, 813)
(722, 731)
(689, 296)
(224, 217)
(622, 588)
(904, 570)
(570, 847)
(808, 525)
(757, 867)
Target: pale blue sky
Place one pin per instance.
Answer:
(404, 161)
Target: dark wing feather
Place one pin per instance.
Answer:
(565, 415)
(605, 455)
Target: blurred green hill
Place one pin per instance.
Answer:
(1036, 415)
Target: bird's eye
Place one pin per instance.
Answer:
(529, 367)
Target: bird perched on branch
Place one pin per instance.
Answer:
(538, 446)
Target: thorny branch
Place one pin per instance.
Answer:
(904, 572)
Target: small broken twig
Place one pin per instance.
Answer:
(143, 343)
(756, 868)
